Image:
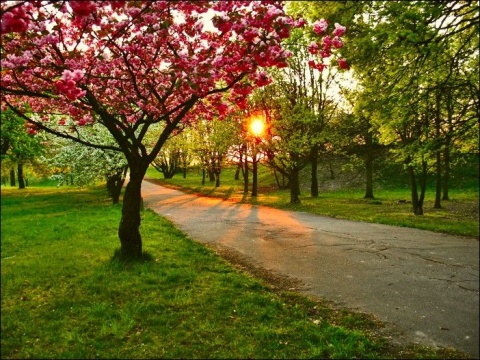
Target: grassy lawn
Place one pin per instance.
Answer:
(65, 296)
(458, 216)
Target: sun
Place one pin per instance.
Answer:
(257, 126)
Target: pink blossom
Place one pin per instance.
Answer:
(222, 109)
(313, 48)
(327, 42)
(73, 111)
(250, 34)
(15, 20)
(337, 43)
(320, 26)
(342, 63)
(13, 60)
(117, 4)
(315, 65)
(46, 61)
(299, 23)
(339, 30)
(86, 119)
(31, 128)
(74, 75)
(67, 84)
(83, 8)
(325, 53)
(273, 11)
(262, 79)
(283, 32)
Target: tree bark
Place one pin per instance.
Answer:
(417, 201)
(417, 209)
(245, 171)
(332, 174)
(438, 154)
(129, 229)
(237, 172)
(12, 177)
(314, 162)
(115, 184)
(438, 181)
(295, 186)
(21, 180)
(369, 168)
(254, 175)
(211, 176)
(446, 172)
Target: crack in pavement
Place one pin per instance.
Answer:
(435, 261)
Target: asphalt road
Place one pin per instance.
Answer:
(422, 283)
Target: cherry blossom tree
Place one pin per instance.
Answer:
(133, 65)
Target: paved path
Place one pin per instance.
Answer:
(426, 284)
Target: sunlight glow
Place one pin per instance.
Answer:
(257, 126)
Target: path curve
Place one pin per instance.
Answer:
(425, 283)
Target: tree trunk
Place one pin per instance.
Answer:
(245, 172)
(240, 165)
(217, 179)
(314, 161)
(276, 178)
(332, 174)
(129, 229)
(281, 184)
(237, 172)
(438, 155)
(21, 180)
(254, 175)
(438, 181)
(203, 176)
(446, 172)
(369, 168)
(12, 177)
(417, 209)
(294, 187)
(423, 183)
(115, 183)
(211, 175)
(417, 201)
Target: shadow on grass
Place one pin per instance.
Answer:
(128, 261)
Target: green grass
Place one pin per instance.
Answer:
(458, 216)
(65, 296)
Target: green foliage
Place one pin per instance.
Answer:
(211, 141)
(16, 143)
